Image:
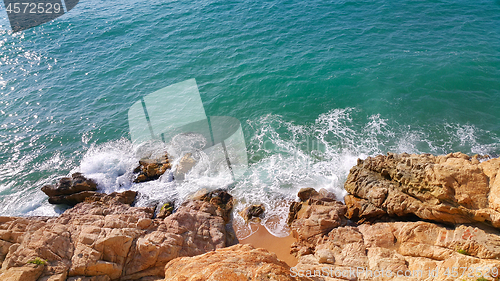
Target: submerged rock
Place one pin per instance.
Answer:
(70, 191)
(151, 169)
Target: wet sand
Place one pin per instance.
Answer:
(278, 245)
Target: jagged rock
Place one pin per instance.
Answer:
(239, 262)
(326, 254)
(323, 195)
(253, 212)
(126, 197)
(453, 188)
(309, 196)
(29, 272)
(306, 193)
(166, 210)
(361, 210)
(105, 239)
(218, 197)
(70, 191)
(313, 218)
(72, 199)
(411, 247)
(66, 186)
(152, 169)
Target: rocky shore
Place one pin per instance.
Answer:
(406, 217)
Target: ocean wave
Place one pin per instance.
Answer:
(284, 157)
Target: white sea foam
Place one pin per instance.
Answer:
(284, 157)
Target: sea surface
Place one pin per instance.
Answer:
(315, 84)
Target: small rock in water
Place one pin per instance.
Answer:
(253, 213)
(151, 169)
(66, 186)
(310, 193)
(70, 191)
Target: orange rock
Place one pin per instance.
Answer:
(239, 262)
(452, 188)
(105, 239)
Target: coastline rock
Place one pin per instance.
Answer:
(313, 218)
(219, 198)
(70, 191)
(413, 248)
(29, 272)
(166, 210)
(239, 262)
(151, 169)
(328, 248)
(253, 212)
(453, 188)
(106, 239)
(125, 197)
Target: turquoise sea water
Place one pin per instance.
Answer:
(358, 77)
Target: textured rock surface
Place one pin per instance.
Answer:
(253, 213)
(328, 248)
(70, 191)
(452, 188)
(239, 262)
(416, 249)
(106, 239)
(29, 272)
(152, 169)
(313, 218)
(166, 210)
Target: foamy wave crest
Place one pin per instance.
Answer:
(110, 164)
(284, 157)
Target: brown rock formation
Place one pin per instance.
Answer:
(70, 191)
(105, 239)
(313, 218)
(253, 212)
(151, 169)
(239, 262)
(453, 188)
(29, 272)
(416, 249)
(328, 249)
